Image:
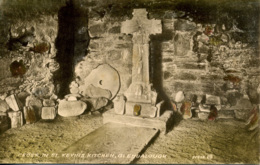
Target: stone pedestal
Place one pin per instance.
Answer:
(162, 123)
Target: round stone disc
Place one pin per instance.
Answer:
(105, 77)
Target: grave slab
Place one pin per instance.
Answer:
(110, 144)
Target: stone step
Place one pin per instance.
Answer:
(162, 123)
(112, 143)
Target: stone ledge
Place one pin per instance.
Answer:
(162, 123)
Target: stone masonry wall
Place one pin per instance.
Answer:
(215, 54)
(206, 47)
(27, 47)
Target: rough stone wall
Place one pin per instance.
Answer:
(27, 47)
(205, 47)
(107, 46)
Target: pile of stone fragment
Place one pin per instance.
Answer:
(210, 107)
(16, 111)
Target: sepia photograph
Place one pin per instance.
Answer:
(129, 81)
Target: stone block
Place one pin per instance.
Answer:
(243, 103)
(29, 115)
(48, 103)
(166, 46)
(13, 102)
(48, 113)
(204, 108)
(96, 30)
(3, 106)
(203, 115)
(242, 114)
(146, 110)
(114, 30)
(166, 60)
(119, 104)
(96, 103)
(72, 98)
(93, 45)
(22, 97)
(179, 97)
(35, 103)
(124, 45)
(184, 25)
(213, 100)
(16, 118)
(114, 55)
(71, 108)
(226, 114)
(185, 76)
(162, 123)
(167, 75)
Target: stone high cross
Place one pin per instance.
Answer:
(141, 28)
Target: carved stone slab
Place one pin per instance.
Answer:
(103, 77)
(140, 90)
(141, 28)
(120, 141)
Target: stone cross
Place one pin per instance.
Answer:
(141, 28)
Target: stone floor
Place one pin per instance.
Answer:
(191, 141)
